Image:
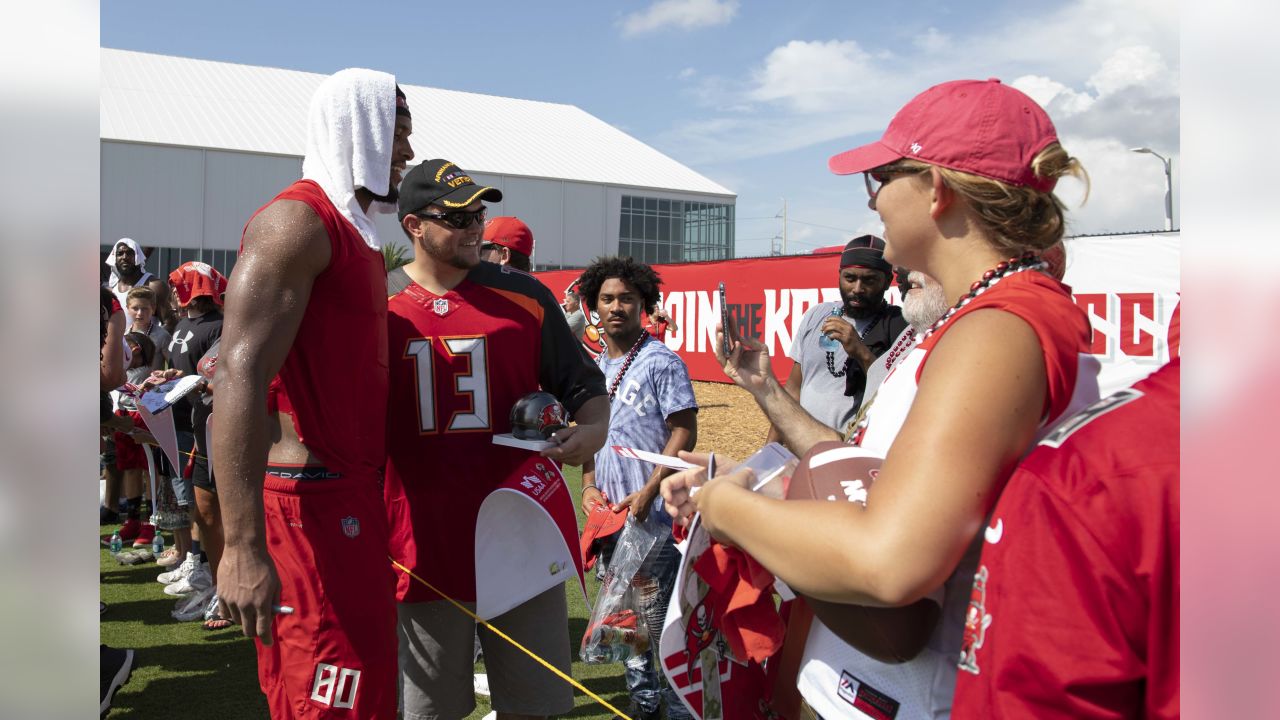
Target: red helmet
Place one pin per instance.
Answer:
(536, 416)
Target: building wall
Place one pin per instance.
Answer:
(192, 201)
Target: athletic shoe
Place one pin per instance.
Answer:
(130, 529)
(107, 516)
(115, 667)
(199, 579)
(146, 534)
(480, 684)
(186, 568)
(169, 557)
(192, 607)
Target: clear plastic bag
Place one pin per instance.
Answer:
(617, 630)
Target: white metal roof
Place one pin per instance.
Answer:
(170, 100)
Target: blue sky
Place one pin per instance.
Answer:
(754, 95)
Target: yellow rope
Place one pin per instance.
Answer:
(506, 637)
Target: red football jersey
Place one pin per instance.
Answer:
(334, 380)
(459, 362)
(1074, 610)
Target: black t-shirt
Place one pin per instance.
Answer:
(192, 338)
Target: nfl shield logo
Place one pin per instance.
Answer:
(350, 526)
(441, 307)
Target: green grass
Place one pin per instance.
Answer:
(183, 671)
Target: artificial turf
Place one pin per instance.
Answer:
(184, 671)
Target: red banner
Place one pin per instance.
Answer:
(767, 297)
(1128, 284)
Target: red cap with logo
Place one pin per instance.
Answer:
(510, 232)
(981, 127)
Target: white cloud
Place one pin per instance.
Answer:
(933, 41)
(683, 14)
(687, 73)
(1105, 70)
(813, 76)
(1130, 66)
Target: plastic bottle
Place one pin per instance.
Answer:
(825, 342)
(116, 543)
(157, 545)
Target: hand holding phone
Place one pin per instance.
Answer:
(730, 335)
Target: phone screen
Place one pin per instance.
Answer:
(725, 323)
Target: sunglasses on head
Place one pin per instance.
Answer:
(458, 219)
(877, 177)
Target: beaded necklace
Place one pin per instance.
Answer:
(626, 363)
(1014, 265)
(831, 355)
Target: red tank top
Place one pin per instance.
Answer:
(334, 380)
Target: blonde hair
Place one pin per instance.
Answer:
(142, 292)
(1017, 218)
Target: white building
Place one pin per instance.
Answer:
(191, 148)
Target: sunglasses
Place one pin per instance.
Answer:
(877, 178)
(458, 220)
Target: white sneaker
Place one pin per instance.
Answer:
(480, 684)
(192, 607)
(186, 568)
(199, 579)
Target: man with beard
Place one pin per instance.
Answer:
(299, 434)
(127, 262)
(468, 339)
(829, 378)
(923, 302)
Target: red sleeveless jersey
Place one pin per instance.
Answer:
(334, 380)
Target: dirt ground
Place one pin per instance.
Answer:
(729, 421)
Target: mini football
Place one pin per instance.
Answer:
(837, 472)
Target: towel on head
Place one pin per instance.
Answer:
(350, 131)
(139, 257)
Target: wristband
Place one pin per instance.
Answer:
(585, 488)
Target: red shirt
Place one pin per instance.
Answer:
(334, 380)
(459, 362)
(1074, 610)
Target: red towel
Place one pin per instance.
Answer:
(741, 596)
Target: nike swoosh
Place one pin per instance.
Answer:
(996, 532)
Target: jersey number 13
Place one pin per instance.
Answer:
(470, 384)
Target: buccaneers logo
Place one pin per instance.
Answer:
(550, 417)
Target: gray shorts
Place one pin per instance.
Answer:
(437, 646)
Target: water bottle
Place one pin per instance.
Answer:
(827, 343)
(157, 544)
(116, 543)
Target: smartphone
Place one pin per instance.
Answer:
(725, 325)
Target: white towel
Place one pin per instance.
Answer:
(350, 131)
(139, 257)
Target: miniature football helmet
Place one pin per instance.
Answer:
(536, 416)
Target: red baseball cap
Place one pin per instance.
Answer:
(981, 127)
(600, 523)
(510, 232)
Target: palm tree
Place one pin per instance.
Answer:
(394, 255)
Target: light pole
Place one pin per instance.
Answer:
(1168, 184)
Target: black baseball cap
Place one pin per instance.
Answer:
(440, 182)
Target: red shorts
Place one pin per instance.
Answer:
(335, 656)
(129, 454)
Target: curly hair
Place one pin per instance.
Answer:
(627, 269)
